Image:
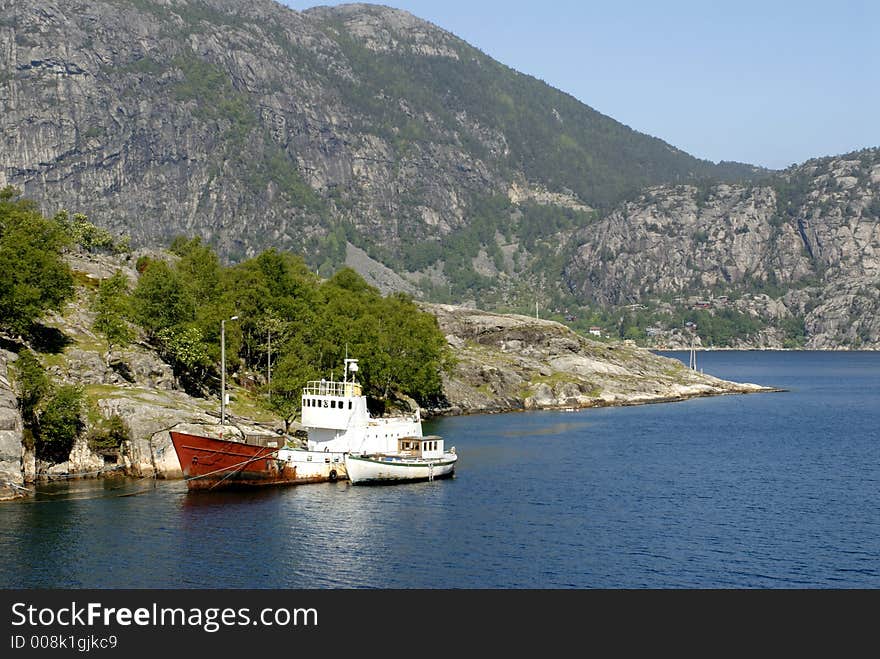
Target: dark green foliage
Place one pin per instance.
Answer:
(552, 137)
(61, 421)
(795, 333)
(31, 385)
(721, 327)
(161, 299)
(215, 97)
(52, 416)
(112, 307)
(791, 191)
(279, 168)
(34, 277)
(311, 324)
(108, 434)
(541, 221)
(183, 347)
(199, 271)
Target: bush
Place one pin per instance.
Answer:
(61, 421)
(31, 384)
(108, 434)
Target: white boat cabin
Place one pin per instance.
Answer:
(430, 446)
(336, 417)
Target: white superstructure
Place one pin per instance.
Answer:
(336, 418)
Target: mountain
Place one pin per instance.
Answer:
(793, 260)
(252, 125)
(361, 134)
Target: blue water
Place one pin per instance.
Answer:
(753, 491)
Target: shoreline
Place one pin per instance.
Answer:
(739, 389)
(713, 349)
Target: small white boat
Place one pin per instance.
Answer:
(416, 459)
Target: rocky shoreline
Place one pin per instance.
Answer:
(504, 363)
(510, 363)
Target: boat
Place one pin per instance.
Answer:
(213, 462)
(337, 423)
(416, 459)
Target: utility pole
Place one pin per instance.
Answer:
(223, 369)
(269, 364)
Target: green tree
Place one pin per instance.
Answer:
(34, 277)
(61, 421)
(31, 384)
(112, 308)
(108, 434)
(295, 366)
(88, 236)
(160, 299)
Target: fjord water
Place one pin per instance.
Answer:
(774, 490)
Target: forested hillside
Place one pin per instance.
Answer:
(251, 125)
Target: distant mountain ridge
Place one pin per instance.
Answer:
(362, 134)
(799, 253)
(253, 125)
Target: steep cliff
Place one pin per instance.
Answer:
(804, 247)
(11, 444)
(253, 125)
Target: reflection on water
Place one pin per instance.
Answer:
(775, 490)
(552, 429)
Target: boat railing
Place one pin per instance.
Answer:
(331, 388)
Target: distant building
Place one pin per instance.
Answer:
(596, 331)
(652, 331)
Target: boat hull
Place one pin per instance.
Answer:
(209, 463)
(365, 469)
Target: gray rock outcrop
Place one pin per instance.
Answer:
(11, 449)
(806, 247)
(511, 362)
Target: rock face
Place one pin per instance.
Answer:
(11, 450)
(252, 125)
(806, 245)
(511, 362)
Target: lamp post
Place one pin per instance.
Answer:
(223, 369)
(269, 364)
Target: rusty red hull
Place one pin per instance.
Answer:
(209, 463)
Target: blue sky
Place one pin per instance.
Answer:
(770, 83)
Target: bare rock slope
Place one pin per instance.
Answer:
(512, 362)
